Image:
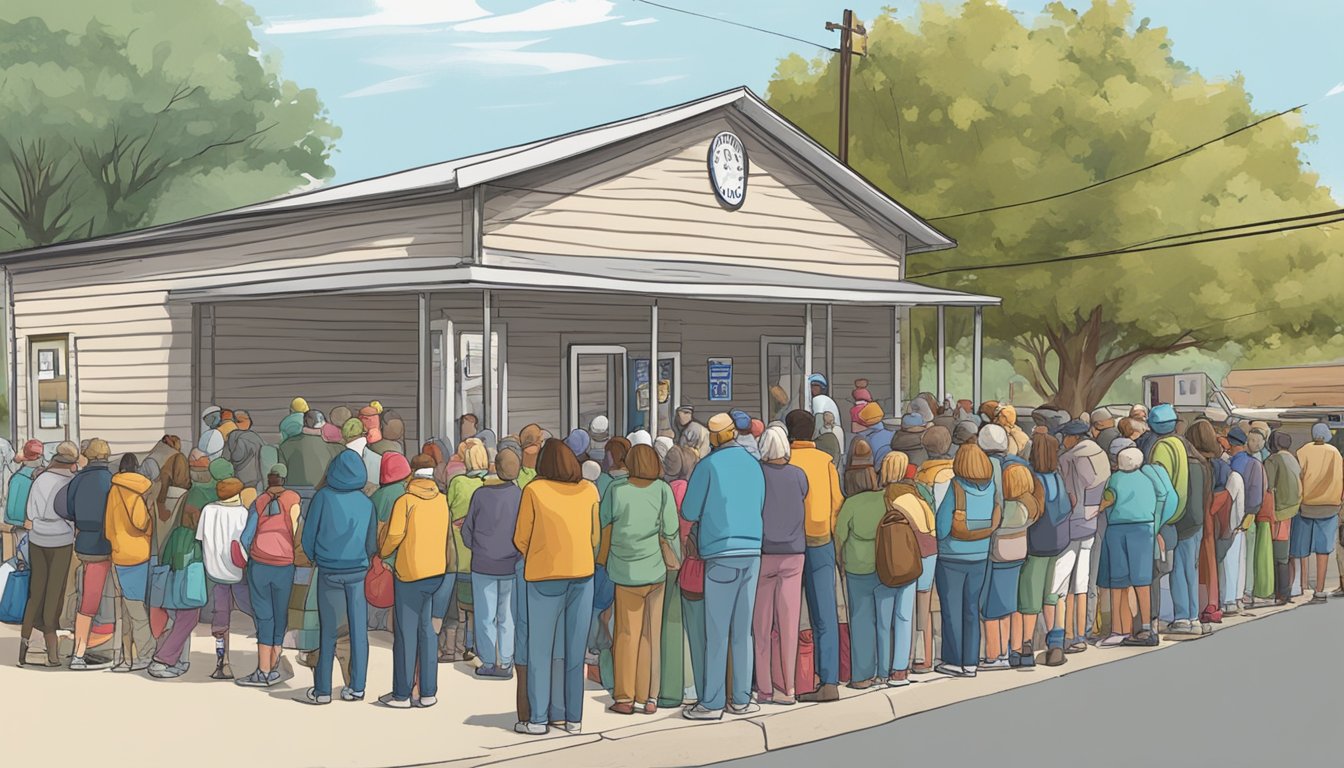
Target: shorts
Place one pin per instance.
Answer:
(1129, 555)
(1073, 568)
(925, 581)
(1031, 585)
(1313, 535)
(1000, 596)
(91, 586)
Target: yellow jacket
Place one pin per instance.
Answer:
(126, 522)
(558, 530)
(822, 505)
(1322, 474)
(918, 512)
(417, 532)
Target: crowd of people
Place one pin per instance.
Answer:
(719, 565)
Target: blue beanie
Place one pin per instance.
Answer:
(578, 442)
(1162, 419)
(1236, 436)
(912, 421)
(1320, 432)
(741, 419)
(819, 380)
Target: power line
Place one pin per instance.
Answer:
(1149, 245)
(1183, 153)
(739, 24)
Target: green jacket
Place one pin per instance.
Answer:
(856, 531)
(1284, 476)
(1169, 454)
(638, 518)
(460, 491)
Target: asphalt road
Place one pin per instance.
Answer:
(1262, 694)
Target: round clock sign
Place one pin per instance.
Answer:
(728, 170)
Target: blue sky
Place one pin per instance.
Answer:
(413, 82)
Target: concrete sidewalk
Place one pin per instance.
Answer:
(93, 716)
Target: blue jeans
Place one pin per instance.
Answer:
(864, 628)
(1185, 579)
(819, 589)
(413, 637)
(730, 596)
(960, 585)
(567, 605)
(520, 637)
(134, 581)
(443, 596)
(693, 619)
(492, 597)
(337, 594)
(895, 626)
(269, 587)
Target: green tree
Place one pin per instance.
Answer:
(966, 108)
(119, 114)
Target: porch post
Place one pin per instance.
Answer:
(806, 402)
(487, 380)
(977, 366)
(942, 355)
(830, 349)
(898, 397)
(652, 424)
(424, 398)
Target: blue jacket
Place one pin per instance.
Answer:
(879, 439)
(86, 503)
(340, 533)
(726, 496)
(1134, 499)
(1253, 477)
(1049, 535)
(979, 513)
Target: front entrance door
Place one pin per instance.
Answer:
(596, 386)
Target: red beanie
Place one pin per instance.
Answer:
(393, 469)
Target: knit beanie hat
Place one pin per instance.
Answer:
(298, 405)
(393, 468)
(352, 429)
(1162, 419)
(964, 432)
(578, 442)
(1235, 436)
(937, 440)
(228, 487)
(913, 422)
(599, 429)
(861, 393)
(421, 462)
(993, 439)
(1320, 432)
(757, 428)
(870, 414)
(221, 469)
(741, 420)
(860, 454)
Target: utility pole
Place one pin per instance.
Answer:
(849, 28)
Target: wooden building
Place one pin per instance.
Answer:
(581, 257)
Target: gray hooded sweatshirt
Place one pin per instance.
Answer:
(49, 528)
(1085, 468)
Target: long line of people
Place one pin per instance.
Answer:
(715, 567)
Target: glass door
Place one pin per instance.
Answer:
(51, 388)
(783, 371)
(596, 383)
(668, 391)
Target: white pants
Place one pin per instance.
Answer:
(1229, 571)
(1074, 569)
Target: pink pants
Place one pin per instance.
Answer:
(779, 595)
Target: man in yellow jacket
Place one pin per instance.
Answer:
(417, 532)
(1316, 527)
(129, 530)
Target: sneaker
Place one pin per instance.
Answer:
(89, 662)
(1113, 640)
(951, 670)
(257, 679)
(350, 694)
(1028, 660)
(161, 671)
(1318, 599)
(1184, 627)
(388, 700)
(698, 712)
(784, 700)
(824, 694)
(750, 708)
(312, 697)
(530, 729)
(425, 702)
(861, 685)
(573, 728)
(490, 670)
(138, 666)
(968, 671)
(991, 665)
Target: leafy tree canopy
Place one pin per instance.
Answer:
(119, 114)
(970, 107)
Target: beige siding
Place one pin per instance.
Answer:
(655, 202)
(133, 343)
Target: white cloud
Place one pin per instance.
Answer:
(388, 13)
(497, 61)
(499, 45)
(639, 22)
(1338, 89)
(496, 107)
(553, 14)
(662, 80)
(395, 85)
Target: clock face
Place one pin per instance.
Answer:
(728, 170)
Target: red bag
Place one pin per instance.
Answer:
(1221, 511)
(844, 652)
(691, 576)
(237, 554)
(378, 584)
(806, 672)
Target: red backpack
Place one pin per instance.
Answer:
(274, 540)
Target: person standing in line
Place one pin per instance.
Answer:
(86, 503)
(1252, 473)
(418, 534)
(900, 623)
(869, 426)
(779, 592)
(460, 491)
(822, 503)
(220, 531)
(172, 656)
(130, 533)
(558, 532)
(677, 685)
(272, 525)
(1283, 475)
(488, 532)
(307, 454)
(966, 518)
(340, 535)
(1322, 496)
(17, 487)
(51, 538)
(932, 481)
(243, 450)
(1084, 469)
(856, 542)
(1047, 538)
(393, 472)
(1131, 503)
(726, 497)
(642, 514)
(742, 423)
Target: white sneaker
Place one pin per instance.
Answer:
(699, 712)
(993, 664)
(388, 700)
(750, 708)
(573, 727)
(425, 702)
(530, 729)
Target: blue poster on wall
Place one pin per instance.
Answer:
(720, 379)
(638, 400)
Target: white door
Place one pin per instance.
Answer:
(596, 386)
(52, 411)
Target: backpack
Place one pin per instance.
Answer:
(16, 505)
(898, 559)
(1049, 535)
(960, 531)
(273, 540)
(1009, 542)
(1200, 478)
(1178, 445)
